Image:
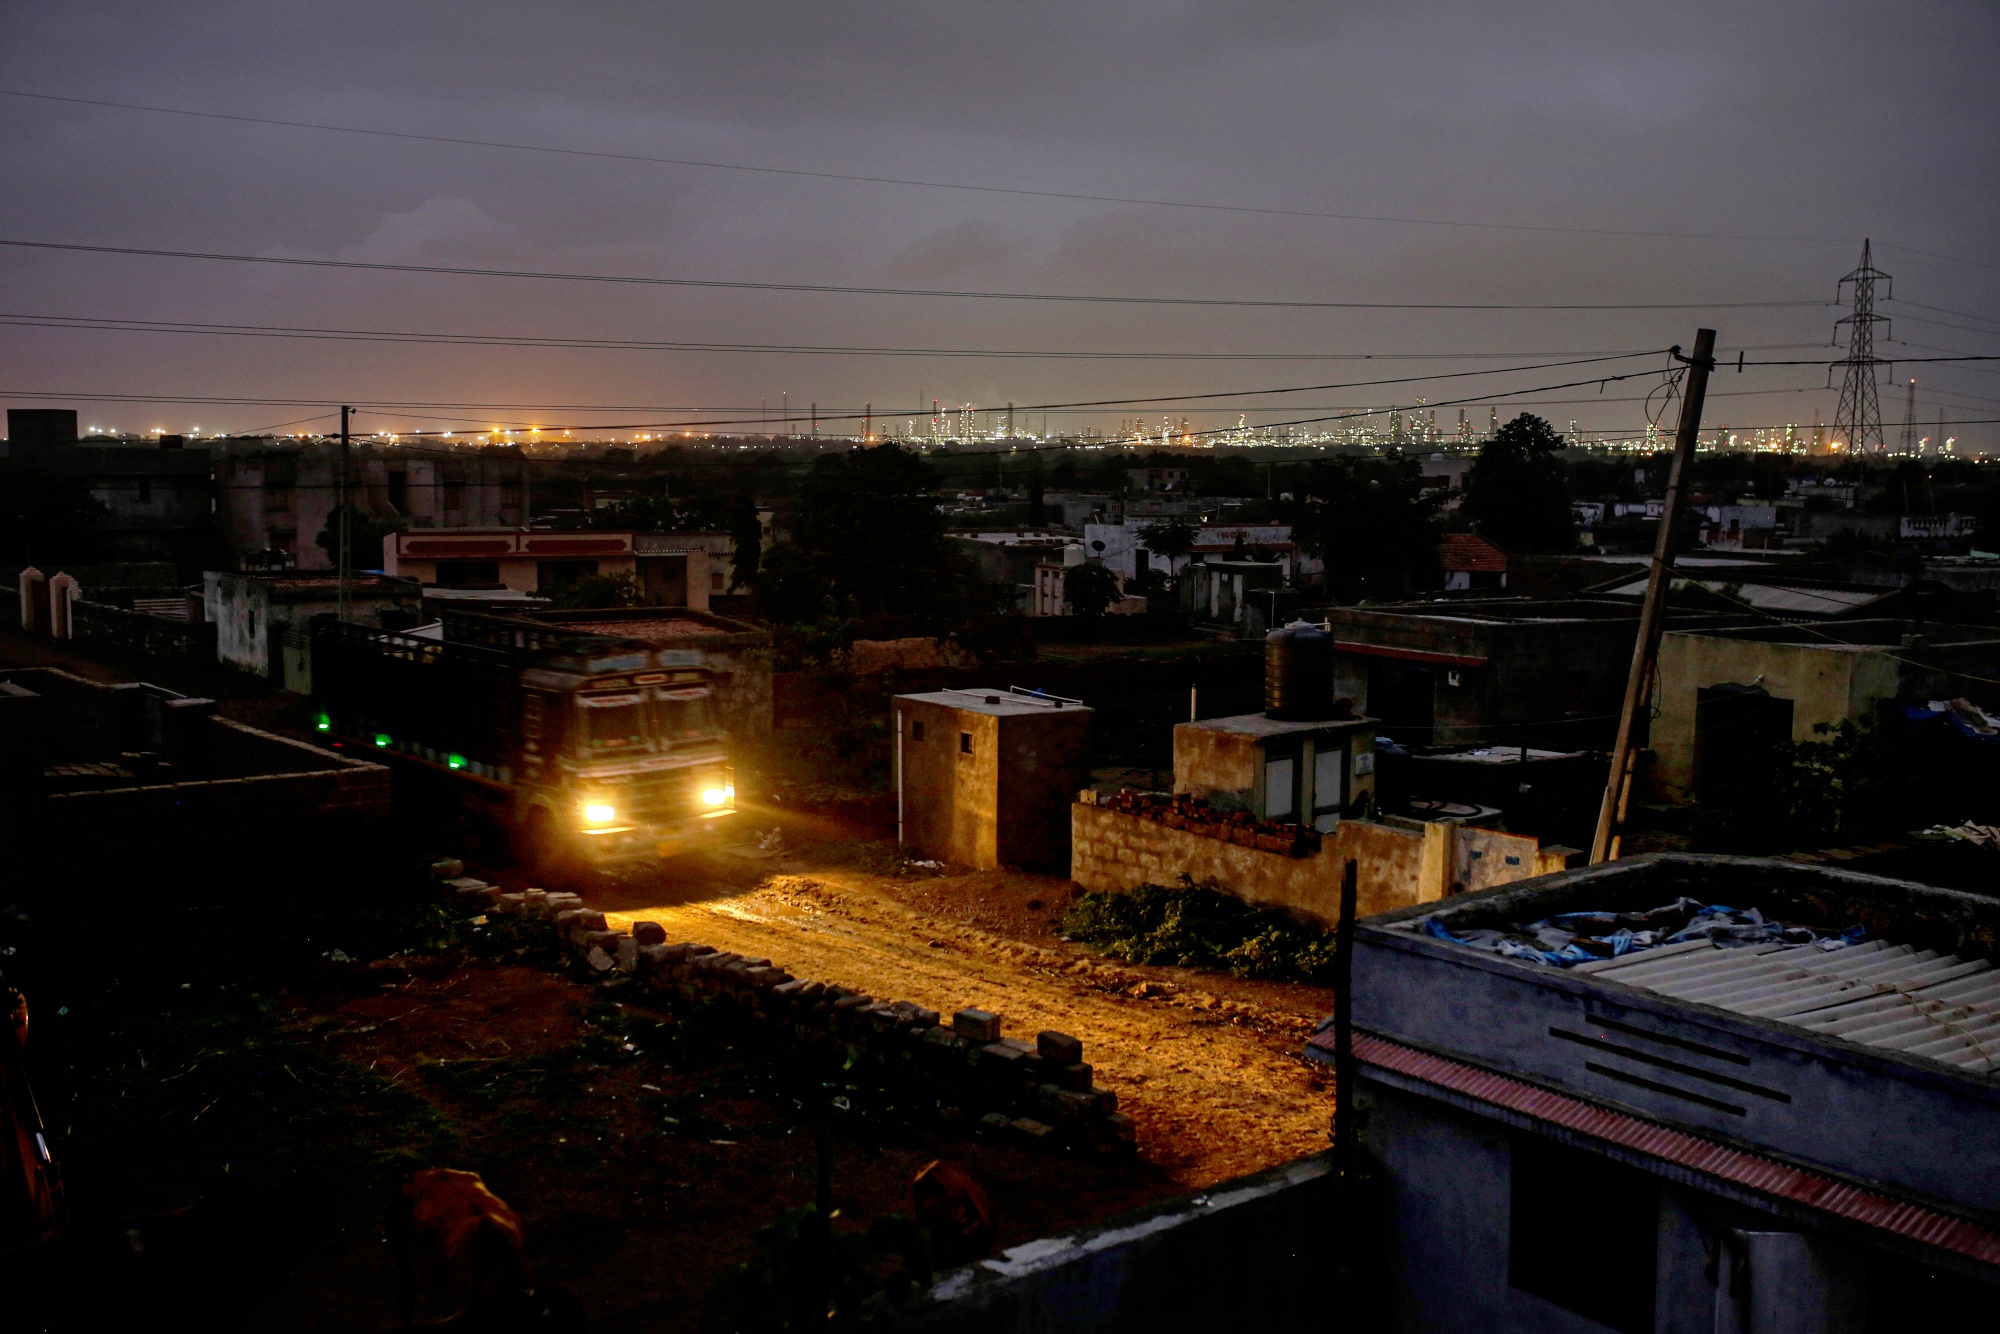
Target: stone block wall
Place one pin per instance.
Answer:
(1038, 1091)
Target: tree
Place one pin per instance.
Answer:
(1373, 522)
(1517, 491)
(1170, 539)
(747, 530)
(868, 518)
(364, 536)
(597, 590)
(48, 517)
(1090, 588)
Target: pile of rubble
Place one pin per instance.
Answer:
(1198, 817)
(1040, 1091)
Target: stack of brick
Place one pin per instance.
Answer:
(1198, 817)
(1040, 1091)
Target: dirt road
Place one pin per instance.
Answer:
(1207, 1064)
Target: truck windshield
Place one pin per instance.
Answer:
(686, 712)
(615, 722)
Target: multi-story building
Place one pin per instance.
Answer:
(155, 492)
(274, 499)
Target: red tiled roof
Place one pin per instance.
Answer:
(1469, 551)
(1739, 1167)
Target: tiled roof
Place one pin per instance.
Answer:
(1741, 1168)
(1469, 551)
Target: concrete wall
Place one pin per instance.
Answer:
(1250, 1254)
(136, 632)
(1397, 865)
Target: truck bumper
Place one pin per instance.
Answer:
(642, 843)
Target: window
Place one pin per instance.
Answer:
(399, 491)
(965, 743)
(686, 712)
(511, 495)
(1583, 1233)
(916, 730)
(615, 722)
(715, 581)
(1327, 787)
(451, 492)
(1280, 785)
(145, 488)
(277, 497)
(467, 573)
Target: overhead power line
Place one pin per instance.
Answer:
(853, 290)
(710, 164)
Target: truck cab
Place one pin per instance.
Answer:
(621, 757)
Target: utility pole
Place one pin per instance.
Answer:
(867, 422)
(1646, 646)
(341, 494)
(815, 412)
(1908, 447)
(1858, 420)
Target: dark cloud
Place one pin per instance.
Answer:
(1801, 120)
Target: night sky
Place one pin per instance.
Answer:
(1795, 129)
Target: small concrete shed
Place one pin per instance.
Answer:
(985, 777)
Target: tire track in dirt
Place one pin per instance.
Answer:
(1216, 1086)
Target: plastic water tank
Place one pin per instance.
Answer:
(1298, 673)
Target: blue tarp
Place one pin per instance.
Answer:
(1577, 937)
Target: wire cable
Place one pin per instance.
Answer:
(853, 290)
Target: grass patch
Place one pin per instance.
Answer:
(1199, 927)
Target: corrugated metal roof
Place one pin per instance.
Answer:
(1751, 1171)
(1774, 597)
(1879, 994)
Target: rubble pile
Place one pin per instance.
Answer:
(1198, 817)
(1040, 1091)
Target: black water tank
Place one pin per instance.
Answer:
(1298, 673)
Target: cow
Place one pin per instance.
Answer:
(957, 1212)
(459, 1249)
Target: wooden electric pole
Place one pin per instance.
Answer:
(341, 495)
(1646, 646)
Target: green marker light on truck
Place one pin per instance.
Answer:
(381, 738)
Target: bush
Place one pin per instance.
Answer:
(1200, 927)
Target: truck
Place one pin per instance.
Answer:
(592, 750)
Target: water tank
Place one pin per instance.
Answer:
(1298, 673)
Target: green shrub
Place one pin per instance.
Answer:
(1200, 927)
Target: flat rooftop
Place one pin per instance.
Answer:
(1850, 636)
(1257, 725)
(1009, 703)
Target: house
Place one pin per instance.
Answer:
(1724, 695)
(1470, 561)
(671, 569)
(1124, 549)
(261, 620)
(984, 777)
(1223, 591)
(1708, 1125)
(1485, 671)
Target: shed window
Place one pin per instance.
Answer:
(916, 730)
(965, 743)
(1280, 782)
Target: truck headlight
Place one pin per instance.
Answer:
(599, 812)
(715, 796)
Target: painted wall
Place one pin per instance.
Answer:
(1825, 684)
(1003, 803)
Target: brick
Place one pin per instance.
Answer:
(599, 960)
(1032, 1129)
(448, 868)
(994, 1121)
(627, 954)
(794, 988)
(1000, 1056)
(512, 903)
(1122, 1126)
(767, 977)
(649, 933)
(652, 958)
(1075, 1076)
(599, 940)
(976, 1025)
(1059, 1047)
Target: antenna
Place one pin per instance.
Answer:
(1858, 421)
